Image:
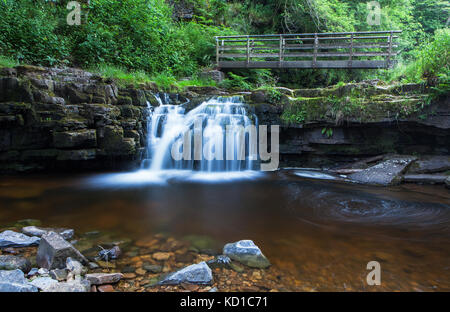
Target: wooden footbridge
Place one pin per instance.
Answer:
(346, 50)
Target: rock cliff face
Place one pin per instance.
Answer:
(326, 127)
(68, 119)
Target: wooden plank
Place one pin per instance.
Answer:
(321, 34)
(304, 64)
(313, 55)
(308, 47)
(244, 39)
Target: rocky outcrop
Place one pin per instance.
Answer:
(67, 118)
(330, 127)
(385, 173)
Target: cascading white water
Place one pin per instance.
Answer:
(221, 119)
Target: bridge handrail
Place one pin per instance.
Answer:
(257, 49)
(315, 34)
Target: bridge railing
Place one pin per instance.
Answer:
(369, 49)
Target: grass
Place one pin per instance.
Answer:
(164, 81)
(120, 75)
(7, 62)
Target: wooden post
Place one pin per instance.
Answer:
(280, 52)
(351, 52)
(316, 44)
(248, 50)
(217, 51)
(388, 63)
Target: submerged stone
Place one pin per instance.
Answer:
(246, 252)
(14, 262)
(54, 250)
(199, 273)
(13, 239)
(152, 268)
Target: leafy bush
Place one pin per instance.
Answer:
(7, 62)
(29, 32)
(432, 61)
(236, 82)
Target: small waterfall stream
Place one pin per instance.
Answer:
(216, 129)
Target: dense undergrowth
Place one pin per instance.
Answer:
(138, 41)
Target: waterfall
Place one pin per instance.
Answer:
(222, 123)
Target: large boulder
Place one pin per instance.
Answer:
(199, 273)
(14, 262)
(246, 252)
(54, 250)
(385, 173)
(14, 281)
(39, 231)
(13, 239)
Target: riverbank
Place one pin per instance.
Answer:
(69, 120)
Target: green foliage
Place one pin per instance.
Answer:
(7, 61)
(29, 32)
(236, 82)
(137, 35)
(432, 62)
(121, 75)
(166, 80)
(142, 37)
(273, 95)
(327, 131)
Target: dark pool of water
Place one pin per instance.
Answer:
(322, 232)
